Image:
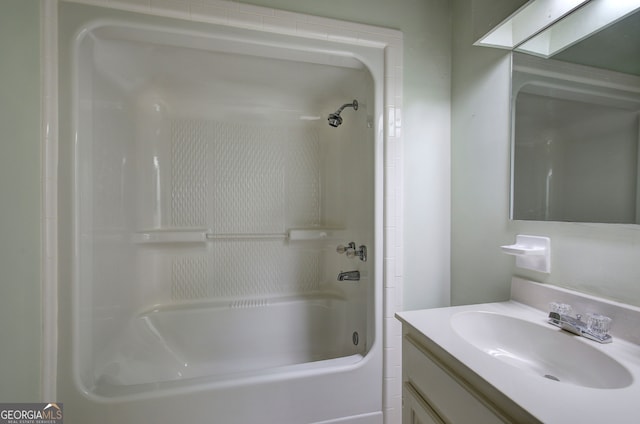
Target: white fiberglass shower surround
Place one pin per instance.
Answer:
(204, 195)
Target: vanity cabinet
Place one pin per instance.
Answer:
(496, 362)
(437, 390)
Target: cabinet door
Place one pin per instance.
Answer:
(415, 410)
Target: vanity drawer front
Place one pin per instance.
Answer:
(451, 400)
(415, 410)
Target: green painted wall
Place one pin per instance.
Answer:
(20, 204)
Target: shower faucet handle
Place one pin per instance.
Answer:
(351, 251)
(361, 253)
(351, 247)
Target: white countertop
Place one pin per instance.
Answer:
(547, 400)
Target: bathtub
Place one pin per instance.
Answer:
(202, 199)
(228, 344)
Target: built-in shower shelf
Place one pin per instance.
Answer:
(311, 234)
(203, 235)
(246, 236)
(171, 236)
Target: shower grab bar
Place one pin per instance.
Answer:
(242, 236)
(197, 236)
(170, 236)
(203, 235)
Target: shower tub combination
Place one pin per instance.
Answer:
(207, 199)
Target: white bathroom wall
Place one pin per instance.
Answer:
(594, 258)
(20, 179)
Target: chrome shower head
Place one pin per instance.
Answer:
(335, 119)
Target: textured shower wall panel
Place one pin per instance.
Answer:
(248, 180)
(238, 181)
(189, 185)
(245, 269)
(303, 178)
(190, 279)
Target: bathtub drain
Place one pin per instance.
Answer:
(551, 377)
(355, 338)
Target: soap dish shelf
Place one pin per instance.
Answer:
(531, 252)
(521, 250)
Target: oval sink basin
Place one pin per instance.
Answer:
(544, 351)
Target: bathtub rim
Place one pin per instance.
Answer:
(342, 364)
(230, 302)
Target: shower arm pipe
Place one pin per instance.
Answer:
(353, 104)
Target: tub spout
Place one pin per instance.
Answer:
(349, 276)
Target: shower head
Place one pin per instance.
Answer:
(335, 119)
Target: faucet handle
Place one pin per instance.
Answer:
(351, 251)
(560, 308)
(346, 249)
(598, 325)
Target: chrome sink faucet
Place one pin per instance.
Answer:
(595, 328)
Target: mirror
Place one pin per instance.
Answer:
(576, 124)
